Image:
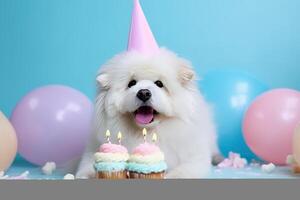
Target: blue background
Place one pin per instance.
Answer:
(65, 41)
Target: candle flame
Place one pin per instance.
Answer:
(144, 132)
(154, 137)
(107, 134)
(119, 135)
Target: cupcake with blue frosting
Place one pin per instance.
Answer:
(147, 161)
(110, 161)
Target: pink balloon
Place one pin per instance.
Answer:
(269, 124)
(52, 123)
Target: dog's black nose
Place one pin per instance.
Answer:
(144, 95)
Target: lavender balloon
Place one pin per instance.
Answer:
(52, 123)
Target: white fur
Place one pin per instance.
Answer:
(184, 126)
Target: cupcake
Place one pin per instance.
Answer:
(290, 160)
(110, 161)
(146, 162)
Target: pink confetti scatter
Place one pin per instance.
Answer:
(23, 176)
(234, 160)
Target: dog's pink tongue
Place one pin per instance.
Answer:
(144, 115)
(143, 118)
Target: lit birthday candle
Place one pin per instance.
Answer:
(154, 138)
(107, 135)
(145, 134)
(119, 137)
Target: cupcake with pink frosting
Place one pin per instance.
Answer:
(146, 162)
(110, 161)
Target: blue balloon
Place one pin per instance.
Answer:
(230, 93)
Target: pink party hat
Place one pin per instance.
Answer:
(140, 38)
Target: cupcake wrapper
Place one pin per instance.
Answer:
(112, 175)
(135, 175)
(296, 169)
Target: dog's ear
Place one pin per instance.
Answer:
(186, 74)
(103, 80)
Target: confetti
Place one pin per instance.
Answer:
(23, 176)
(69, 177)
(290, 160)
(234, 160)
(48, 168)
(268, 168)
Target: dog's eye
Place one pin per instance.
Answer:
(159, 84)
(131, 83)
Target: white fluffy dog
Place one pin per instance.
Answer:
(159, 93)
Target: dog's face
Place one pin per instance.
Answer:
(144, 90)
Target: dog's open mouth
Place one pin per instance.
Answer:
(145, 115)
